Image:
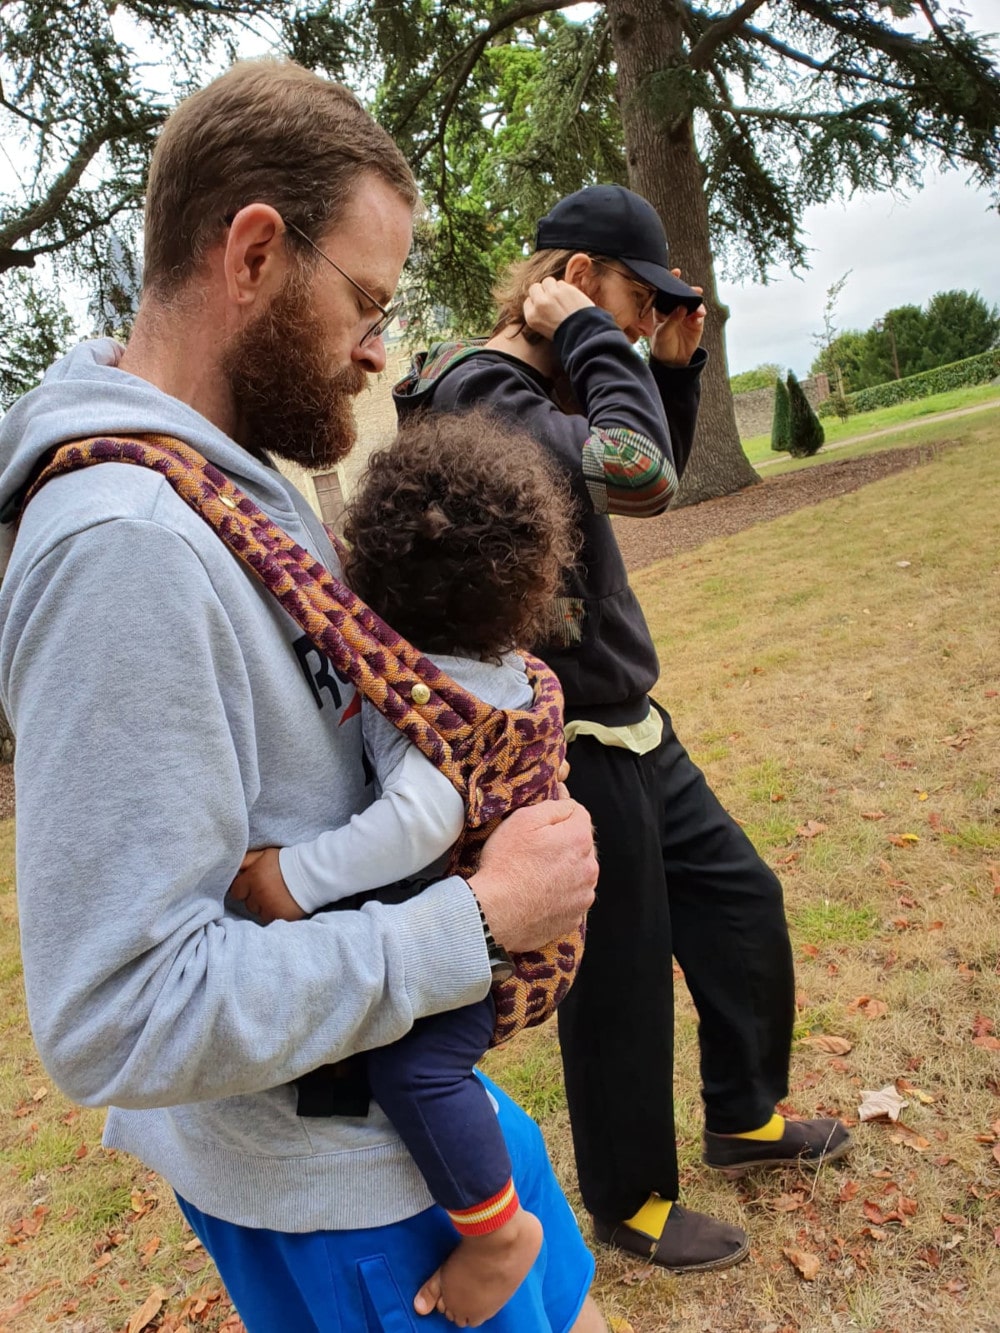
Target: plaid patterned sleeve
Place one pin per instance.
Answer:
(626, 474)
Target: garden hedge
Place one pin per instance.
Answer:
(958, 375)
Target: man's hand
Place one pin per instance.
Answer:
(677, 336)
(551, 301)
(537, 875)
(261, 885)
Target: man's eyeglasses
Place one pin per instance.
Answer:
(644, 296)
(387, 313)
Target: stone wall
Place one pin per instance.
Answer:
(755, 409)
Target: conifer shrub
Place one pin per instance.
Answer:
(805, 434)
(781, 422)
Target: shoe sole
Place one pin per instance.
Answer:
(711, 1266)
(736, 1171)
(725, 1261)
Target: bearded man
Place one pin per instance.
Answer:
(203, 724)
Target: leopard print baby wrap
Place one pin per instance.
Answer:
(497, 759)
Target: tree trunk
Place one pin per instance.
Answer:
(664, 167)
(6, 740)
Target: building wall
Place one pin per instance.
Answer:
(376, 419)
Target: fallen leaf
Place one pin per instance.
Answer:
(147, 1251)
(903, 839)
(807, 1265)
(831, 1045)
(996, 1153)
(22, 1302)
(868, 1007)
(848, 1191)
(886, 1103)
(147, 1311)
(788, 1203)
(39, 1093)
(812, 828)
(909, 1138)
(873, 814)
(636, 1275)
(906, 1089)
(959, 741)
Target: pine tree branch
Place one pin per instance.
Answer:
(11, 258)
(945, 40)
(24, 115)
(764, 38)
(470, 56)
(716, 33)
(897, 45)
(47, 209)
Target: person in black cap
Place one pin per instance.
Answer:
(677, 876)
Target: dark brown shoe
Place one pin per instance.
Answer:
(691, 1242)
(805, 1143)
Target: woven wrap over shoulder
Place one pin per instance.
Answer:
(497, 759)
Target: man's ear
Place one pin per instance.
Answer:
(256, 258)
(580, 273)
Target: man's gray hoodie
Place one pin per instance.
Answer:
(169, 715)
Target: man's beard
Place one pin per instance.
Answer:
(288, 400)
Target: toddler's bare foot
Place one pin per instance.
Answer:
(481, 1275)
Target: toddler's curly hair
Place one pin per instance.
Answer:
(460, 533)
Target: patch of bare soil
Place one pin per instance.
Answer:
(644, 541)
(6, 790)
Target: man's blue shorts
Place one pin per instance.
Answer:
(364, 1281)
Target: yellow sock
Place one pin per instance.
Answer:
(651, 1217)
(769, 1133)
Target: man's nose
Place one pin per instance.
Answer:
(370, 355)
(646, 324)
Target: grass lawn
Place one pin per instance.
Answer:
(836, 674)
(759, 448)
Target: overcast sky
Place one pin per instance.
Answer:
(899, 251)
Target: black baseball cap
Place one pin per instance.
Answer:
(610, 220)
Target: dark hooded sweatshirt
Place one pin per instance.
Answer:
(623, 453)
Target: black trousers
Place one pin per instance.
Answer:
(678, 878)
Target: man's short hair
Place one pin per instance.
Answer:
(265, 131)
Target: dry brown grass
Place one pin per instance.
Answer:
(816, 678)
